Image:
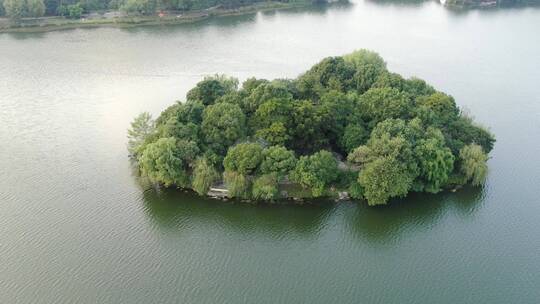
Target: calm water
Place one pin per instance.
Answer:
(77, 227)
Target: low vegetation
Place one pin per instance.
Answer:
(347, 124)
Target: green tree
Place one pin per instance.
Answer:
(187, 151)
(275, 134)
(141, 129)
(390, 81)
(353, 136)
(163, 162)
(380, 104)
(271, 111)
(260, 92)
(211, 88)
(278, 160)
(360, 156)
(332, 73)
(356, 191)
(368, 65)
(413, 87)
(307, 128)
(184, 5)
(337, 110)
(15, 9)
(463, 131)
(474, 163)
(436, 162)
(252, 83)
(384, 178)
(417, 87)
(390, 153)
(204, 175)
(234, 97)
(315, 171)
(52, 6)
(190, 111)
(237, 184)
(442, 106)
(412, 130)
(272, 121)
(265, 187)
(143, 7)
(223, 124)
(35, 8)
(91, 5)
(397, 147)
(179, 130)
(181, 121)
(243, 158)
(74, 11)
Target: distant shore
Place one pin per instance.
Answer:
(117, 19)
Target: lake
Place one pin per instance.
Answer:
(77, 226)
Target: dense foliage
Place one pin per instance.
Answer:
(17, 9)
(397, 135)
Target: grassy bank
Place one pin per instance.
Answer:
(46, 24)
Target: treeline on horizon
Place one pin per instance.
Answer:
(347, 124)
(479, 3)
(17, 9)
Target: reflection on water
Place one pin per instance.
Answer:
(25, 36)
(176, 210)
(416, 213)
(240, 20)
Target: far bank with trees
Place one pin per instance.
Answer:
(34, 15)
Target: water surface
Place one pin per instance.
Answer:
(77, 227)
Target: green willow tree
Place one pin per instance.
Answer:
(474, 163)
(238, 184)
(204, 175)
(265, 187)
(436, 162)
(142, 128)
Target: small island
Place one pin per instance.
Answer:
(346, 128)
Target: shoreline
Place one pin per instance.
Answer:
(294, 194)
(50, 24)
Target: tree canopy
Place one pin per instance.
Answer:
(17, 9)
(397, 135)
(316, 171)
